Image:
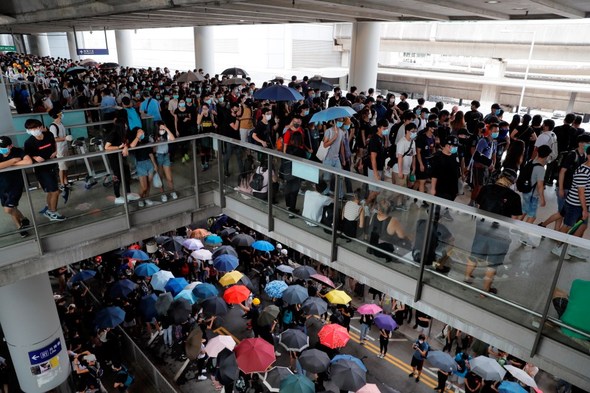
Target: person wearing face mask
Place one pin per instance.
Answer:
(123, 92)
(421, 348)
(11, 183)
(261, 134)
(245, 116)
(375, 160)
(483, 160)
(425, 149)
(164, 168)
(182, 122)
(145, 164)
(405, 162)
(150, 106)
(40, 146)
(494, 112)
(173, 103)
(445, 173)
(334, 158)
(206, 124)
(61, 141)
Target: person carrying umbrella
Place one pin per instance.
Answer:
(421, 348)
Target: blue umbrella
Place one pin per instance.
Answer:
(82, 275)
(175, 285)
(351, 358)
(226, 263)
(335, 112)
(278, 93)
(109, 317)
(122, 288)
(263, 245)
(147, 306)
(213, 239)
(204, 291)
(297, 383)
(385, 321)
(275, 288)
(146, 269)
(510, 387)
(186, 294)
(136, 254)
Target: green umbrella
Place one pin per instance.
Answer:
(268, 315)
(297, 383)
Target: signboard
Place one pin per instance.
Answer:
(92, 52)
(7, 48)
(42, 355)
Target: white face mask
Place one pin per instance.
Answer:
(35, 133)
(162, 132)
(268, 117)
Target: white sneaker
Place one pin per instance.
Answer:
(557, 251)
(132, 196)
(119, 201)
(149, 202)
(202, 377)
(164, 198)
(173, 195)
(141, 204)
(277, 353)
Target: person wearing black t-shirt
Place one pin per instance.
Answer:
(445, 173)
(425, 144)
(11, 183)
(376, 157)
(231, 129)
(473, 117)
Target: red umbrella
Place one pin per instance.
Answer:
(236, 294)
(333, 336)
(323, 279)
(135, 247)
(255, 355)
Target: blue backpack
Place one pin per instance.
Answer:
(130, 378)
(288, 317)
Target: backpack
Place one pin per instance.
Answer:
(523, 182)
(257, 182)
(250, 138)
(554, 148)
(288, 317)
(130, 378)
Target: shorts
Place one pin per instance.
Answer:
(423, 330)
(488, 246)
(10, 197)
(244, 134)
(63, 165)
(371, 176)
(163, 159)
(47, 177)
(560, 304)
(530, 203)
(571, 214)
(417, 363)
(144, 168)
(423, 175)
(479, 174)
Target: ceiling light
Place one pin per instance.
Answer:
(492, 1)
(519, 9)
(242, 20)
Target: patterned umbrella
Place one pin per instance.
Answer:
(333, 336)
(275, 288)
(323, 279)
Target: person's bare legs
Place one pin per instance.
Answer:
(15, 214)
(52, 198)
(489, 279)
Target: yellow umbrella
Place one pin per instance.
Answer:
(338, 297)
(231, 278)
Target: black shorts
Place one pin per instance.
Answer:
(48, 177)
(9, 197)
(417, 363)
(423, 175)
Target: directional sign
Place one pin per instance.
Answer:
(92, 52)
(7, 48)
(42, 355)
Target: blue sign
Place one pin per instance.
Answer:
(44, 354)
(92, 52)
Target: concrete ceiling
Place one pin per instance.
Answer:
(33, 16)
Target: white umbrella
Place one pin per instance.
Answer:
(160, 279)
(487, 368)
(521, 375)
(202, 255)
(192, 244)
(285, 269)
(192, 285)
(218, 344)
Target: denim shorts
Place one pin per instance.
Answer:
(163, 159)
(144, 168)
(530, 204)
(571, 214)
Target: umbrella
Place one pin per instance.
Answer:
(147, 306)
(76, 70)
(268, 315)
(385, 321)
(202, 255)
(199, 233)
(294, 340)
(275, 288)
(521, 375)
(323, 279)
(314, 360)
(295, 294)
(160, 279)
(163, 303)
(278, 93)
(218, 344)
(304, 272)
(171, 244)
(236, 294)
(175, 285)
(109, 317)
(336, 296)
(319, 83)
(335, 112)
(214, 306)
(510, 387)
(192, 345)
(146, 269)
(254, 355)
(297, 384)
(192, 285)
(192, 244)
(242, 240)
(369, 308)
(88, 62)
(358, 361)
(313, 325)
(190, 77)
(347, 375)
(263, 245)
(82, 275)
(333, 336)
(272, 379)
(230, 278)
(369, 388)
(234, 71)
(314, 306)
(442, 360)
(212, 240)
(180, 310)
(226, 263)
(136, 254)
(285, 269)
(122, 288)
(109, 66)
(228, 231)
(224, 250)
(205, 290)
(487, 368)
(228, 367)
(186, 294)
(247, 282)
(234, 81)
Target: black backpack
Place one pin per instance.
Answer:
(257, 182)
(523, 182)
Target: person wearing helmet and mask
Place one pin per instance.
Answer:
(251, 315)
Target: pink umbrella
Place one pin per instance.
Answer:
(323, 279)
(369, 308)
(369, 388)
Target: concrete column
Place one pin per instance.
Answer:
(124, 41)
(426, 86)
(33, 333)
(364, 56)
(494, 69)
(42, 44)
(72, 46)
(572, 101)
(204, 48)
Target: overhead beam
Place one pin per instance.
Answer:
(382, 9)
(470, 9)
(559, 8)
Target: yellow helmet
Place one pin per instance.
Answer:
(256, 301)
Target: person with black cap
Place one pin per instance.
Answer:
(11, 182)
(445, 173)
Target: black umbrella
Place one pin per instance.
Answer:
(272, 379)
(294, 340)
(242, 240)
(314, 306)
(75, 70)
(234, 81)
(234, 71)
(190, 77)
(314, 360)
(108, 66)
(180, 310)
(268, 315)
(295, 294)
(313, 326)
(122, 288)
(163, 303)
(347, 375)
(228, 367)
(319, 83)
(228, 231)
(304, 272)
(214, 306)
(245, 280)
(224, 250)
(171, 244)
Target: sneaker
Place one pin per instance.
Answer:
(54, 216)
(23, 224)
(42, 211)
(277, 353)
(132, 196)
(65, 194)
(173, 195)
(447, 216)
(411, 374)
(119, 201)
(164, 198)
(24, 234)
(202, 377)
(578, 252)
(557, 251)
(417, 379)
(149, 202)
(141, 204)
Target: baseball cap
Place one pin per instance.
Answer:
(5, 141)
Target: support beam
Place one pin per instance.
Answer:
(124, 41)
(364, 56)
(72, 46)
(470, 10)
(204, 48)
(561, 9)
(387, 11)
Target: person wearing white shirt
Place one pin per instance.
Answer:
(406, 161)
(314, 202)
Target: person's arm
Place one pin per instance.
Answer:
(541, 191)
(199, 119)
(257, 139)
(374, 165)
(176, 123)
(419, 158)
(361, 217)
(582, 196)
(328, 141)
(170, 135)
(235, 125)
(135, 141)
(433, 182)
